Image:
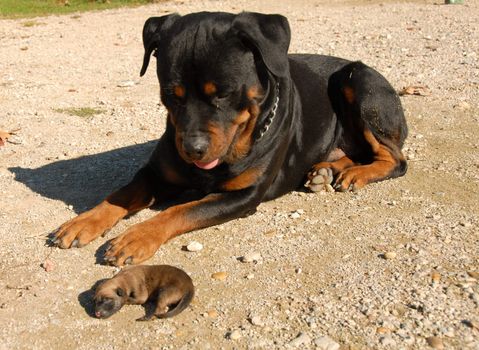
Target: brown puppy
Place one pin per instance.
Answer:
(166, 285)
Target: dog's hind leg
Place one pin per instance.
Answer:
(373, 131)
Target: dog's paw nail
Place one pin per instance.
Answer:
(129, 261)
(307, 183)
(144, 318)
(75, 244)
(314, 173)
(53, 234)
(109, 259)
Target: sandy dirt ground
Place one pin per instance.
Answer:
(322, 280)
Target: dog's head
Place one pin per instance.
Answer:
(109, 298)
(215, 71)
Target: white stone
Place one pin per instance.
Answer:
(326, 343)
(301, 340)
(295, 215)
(194, 246)
(251, 257)
(126, 83)
(235, 335)
(256, 321)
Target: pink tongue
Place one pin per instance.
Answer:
(207, 166)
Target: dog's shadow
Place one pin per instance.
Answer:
(83, 182)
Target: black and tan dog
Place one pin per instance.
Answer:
(246, 123)
(166, 285)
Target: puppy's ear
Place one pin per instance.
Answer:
(269, 35)
(152, 35)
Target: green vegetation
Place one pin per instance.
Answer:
(82, 112)
(32, 8)
(32, 23)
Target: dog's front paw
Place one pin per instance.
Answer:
(132, 247)
(320, 180)
(352, 179)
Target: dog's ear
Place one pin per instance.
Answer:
(152, 35)
(269, 35)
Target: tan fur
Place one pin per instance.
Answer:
(165, 285)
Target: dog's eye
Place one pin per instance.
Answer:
(223, 96)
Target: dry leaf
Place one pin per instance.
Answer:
(417, 90)
(4, 136)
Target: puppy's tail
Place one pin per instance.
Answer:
(182, 304)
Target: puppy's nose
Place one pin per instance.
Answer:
(195, 147)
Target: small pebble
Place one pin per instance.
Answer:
(435, 276)
(251, 257)
(126, 83)
(390, 255)
(295, 215)
(212, 313)
(383, 330)
(256, 321)
(235, 335)
(387, 340)
(326, 343)
(435, 342)
(219, 275)
(301, 340)
(464, 106)
(270, 233)
(194, 246)
(473, 274)
(48, 265)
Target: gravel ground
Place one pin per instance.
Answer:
(394, 266)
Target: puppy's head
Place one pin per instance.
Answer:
(109, 298)
(215, 71)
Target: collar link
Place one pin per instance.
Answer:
(271, 115)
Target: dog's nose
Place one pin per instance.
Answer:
(195, 147)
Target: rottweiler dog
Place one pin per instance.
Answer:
(246, 123)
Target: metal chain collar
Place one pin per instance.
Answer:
(272, 114)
